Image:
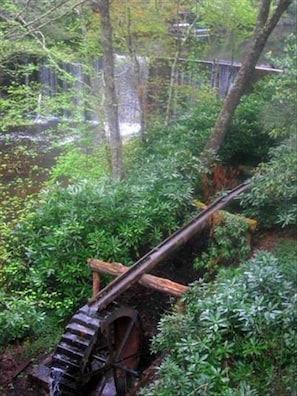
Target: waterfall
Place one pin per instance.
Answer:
(86, 86)
(80, 83)
(225, 78)
(126, 86)
(48, 79)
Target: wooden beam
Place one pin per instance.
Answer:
(147, 280)
(96, 283)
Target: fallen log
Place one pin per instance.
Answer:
(154, 282)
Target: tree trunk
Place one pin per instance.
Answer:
(173, 75)
(264, 26)
(110, 97)
(172, 82)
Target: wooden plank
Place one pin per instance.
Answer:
(154, 282)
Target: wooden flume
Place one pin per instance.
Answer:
(104, 337)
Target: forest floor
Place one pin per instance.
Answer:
(15, 366)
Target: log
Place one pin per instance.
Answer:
(154, 282)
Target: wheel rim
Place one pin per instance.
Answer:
(99, 352)
(116, 353)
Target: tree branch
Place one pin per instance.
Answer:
(264, 27)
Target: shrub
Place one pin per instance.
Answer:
(272, 198)
(236, 336)
(87, 164)
(114, 221)
(273, 193)
(228, 245)
(248, 140)
(19, 316)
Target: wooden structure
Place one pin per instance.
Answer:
(101, 344)
(153, 282)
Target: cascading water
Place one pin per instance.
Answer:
(126, 86)
(81, 85)
(226, 77)
(28, 152)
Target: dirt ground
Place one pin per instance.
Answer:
(14, 368)
(13, 374)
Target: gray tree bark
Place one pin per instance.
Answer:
(110, 96)
(266, 22)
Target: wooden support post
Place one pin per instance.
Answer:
(147, 280)
(96, 283)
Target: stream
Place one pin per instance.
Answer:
(27, 157)
(25, 161)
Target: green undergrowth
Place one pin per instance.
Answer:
(228, 246)
(44, 261)
(272, 198)
(44, 256)
(236, 335)
(90, 161)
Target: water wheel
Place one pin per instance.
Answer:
(98, 352)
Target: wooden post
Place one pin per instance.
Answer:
(96, 283)
(154, 282)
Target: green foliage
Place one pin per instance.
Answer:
(286, 253)
(20, 316)
(107, 221)
(279, 112)
(231, 16)
(90, 163)
(114, 221)
(228, 245)
(141, 24)
(21, 176)
(248, 140)
(46, 336)
(186, 137)
(36, 36)
(236, 336)
(272, 198)
(20, 100)
(231, 23)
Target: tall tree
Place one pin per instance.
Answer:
(29, 23)
(110, 96)
(267, 19)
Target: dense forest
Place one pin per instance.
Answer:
(75, 183)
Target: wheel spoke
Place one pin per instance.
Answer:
(125, 338)
(99, 352)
